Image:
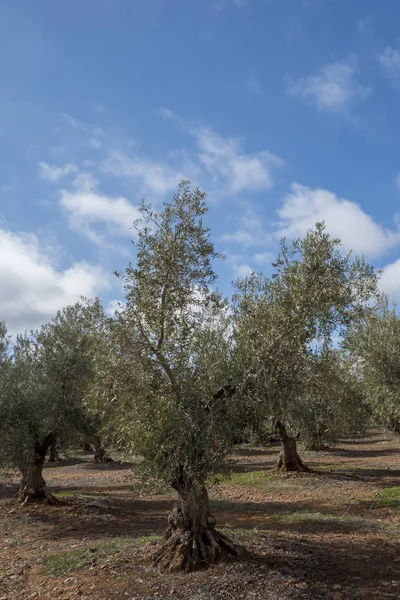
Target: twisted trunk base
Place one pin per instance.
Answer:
(33, 486)
(191, 540)
(289, 459)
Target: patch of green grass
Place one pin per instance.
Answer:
(66, 494)
(343, 520)
(60, 564)
(88, 495)
(389, 497)
(248, 478)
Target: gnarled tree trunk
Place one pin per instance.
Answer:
(33, 486)
(288, 460)
(191, 540)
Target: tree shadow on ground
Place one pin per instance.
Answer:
(110, 466)
(349, 453)
(363, 442)
(65, 462)
(261, 451)
(367, 566)
(298, 517)
(262, 467)
(122, 516)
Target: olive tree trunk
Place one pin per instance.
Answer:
(100, 454)
(33, 486)
(53, 453)
(288, 460)
(191, 540)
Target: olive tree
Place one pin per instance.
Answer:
(284, 329)
(166, 372)
(374, 346)
(47, 373)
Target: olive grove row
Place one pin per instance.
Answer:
(179, 374)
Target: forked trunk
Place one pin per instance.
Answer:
(288, 460)
(33, 486)
(191, 540)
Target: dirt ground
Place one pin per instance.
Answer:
(331, 534)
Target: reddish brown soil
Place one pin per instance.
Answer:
(327, 534)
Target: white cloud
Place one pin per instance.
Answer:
(232, 170)
(32, 288)
(390, 61)
(344, 219)
(246, 238)
(239, 267)
(390, 281)
(115, 306)
(333, 89)
(92, 130)
(166, 113)
(87, 209)
(53, 173)
(152, 176)
(264, 258)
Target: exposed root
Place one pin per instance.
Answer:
(190, 550)
(28, 496)
(193, 542)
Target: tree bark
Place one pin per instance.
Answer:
(191, 540)
(288, 460)
(394, 425)
(33, 486)
(100, 454)
(53, 453)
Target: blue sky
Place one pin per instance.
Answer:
(285, 111)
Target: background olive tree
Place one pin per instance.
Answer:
(285, 329)
(46, 375)
(374, 347)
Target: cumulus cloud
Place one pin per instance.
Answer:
(33, 288)
(87, 209)
(232, 169)
(333, 89)
(53, 173)
(390, 280)
(304, 206)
